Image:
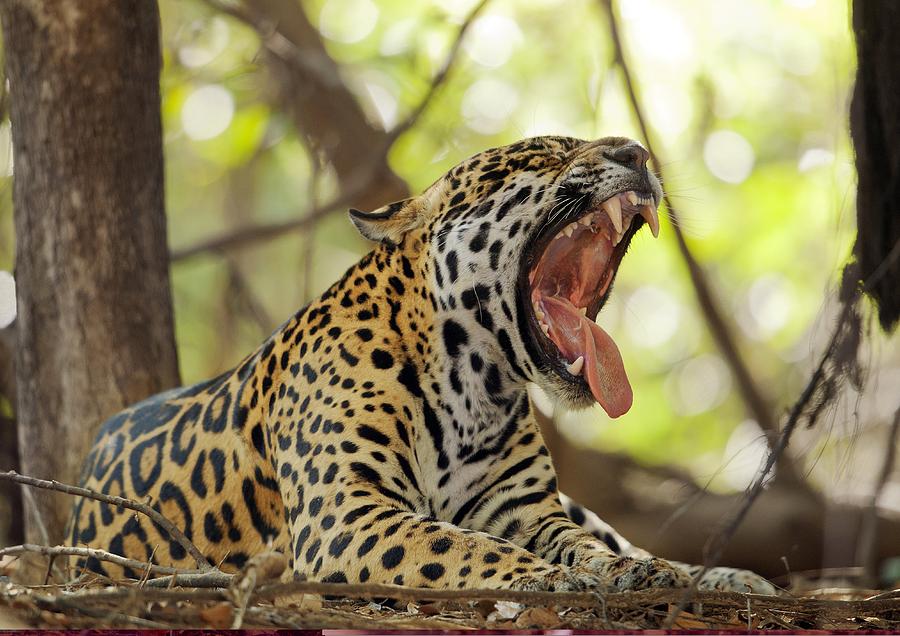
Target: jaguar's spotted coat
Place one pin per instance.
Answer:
(384, 433)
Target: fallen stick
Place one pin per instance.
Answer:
(162, 522)
(100, 555)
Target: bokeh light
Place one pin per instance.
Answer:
(492, 40)
(207, 112)
(698, 385)
(348, 21)
(488, 104)
(728, 156)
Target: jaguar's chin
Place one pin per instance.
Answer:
(565, 278)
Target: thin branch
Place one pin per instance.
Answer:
(251, 234)
(366, 177)
(100, 555)
(757, 404)
(208, 579)
(715, 547)
(157, 518)
(440, 78)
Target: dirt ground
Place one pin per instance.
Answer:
(95, 602)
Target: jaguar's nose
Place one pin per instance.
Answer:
(633, 156)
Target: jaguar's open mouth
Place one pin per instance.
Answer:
(570, 269)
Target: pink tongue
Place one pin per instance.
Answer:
(576, 336)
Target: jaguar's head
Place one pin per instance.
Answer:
(524, 242)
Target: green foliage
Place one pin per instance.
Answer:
(748, 101)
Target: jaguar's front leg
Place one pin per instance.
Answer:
(522, 505)
(558, 540)
(717, 578)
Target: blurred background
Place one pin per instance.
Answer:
(747, 103)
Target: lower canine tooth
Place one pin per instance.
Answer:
(575, 367)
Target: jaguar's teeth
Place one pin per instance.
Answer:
(652, 218)
(575, 367)
(587, 219)
(545, 329)
(539, 315)
(613, 210)
(582, 311)
(632, 197)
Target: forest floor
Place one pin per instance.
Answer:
(96, 602)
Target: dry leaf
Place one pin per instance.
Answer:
(508, 609)
(484, 607)
(218, 616)
(538, 617)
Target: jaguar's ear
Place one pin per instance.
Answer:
(389, 222)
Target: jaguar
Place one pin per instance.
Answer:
(384, 432)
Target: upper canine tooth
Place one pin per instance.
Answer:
(652, 217)
(575, 367)
(632, 198)
(614, 211)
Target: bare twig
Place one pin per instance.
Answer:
(757, 403)
(440, 78)
(868, 535)
(208, 579)
(100, 555)
(173, 531)
(251, 234)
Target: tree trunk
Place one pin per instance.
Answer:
(95, 329)
(875, 126)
